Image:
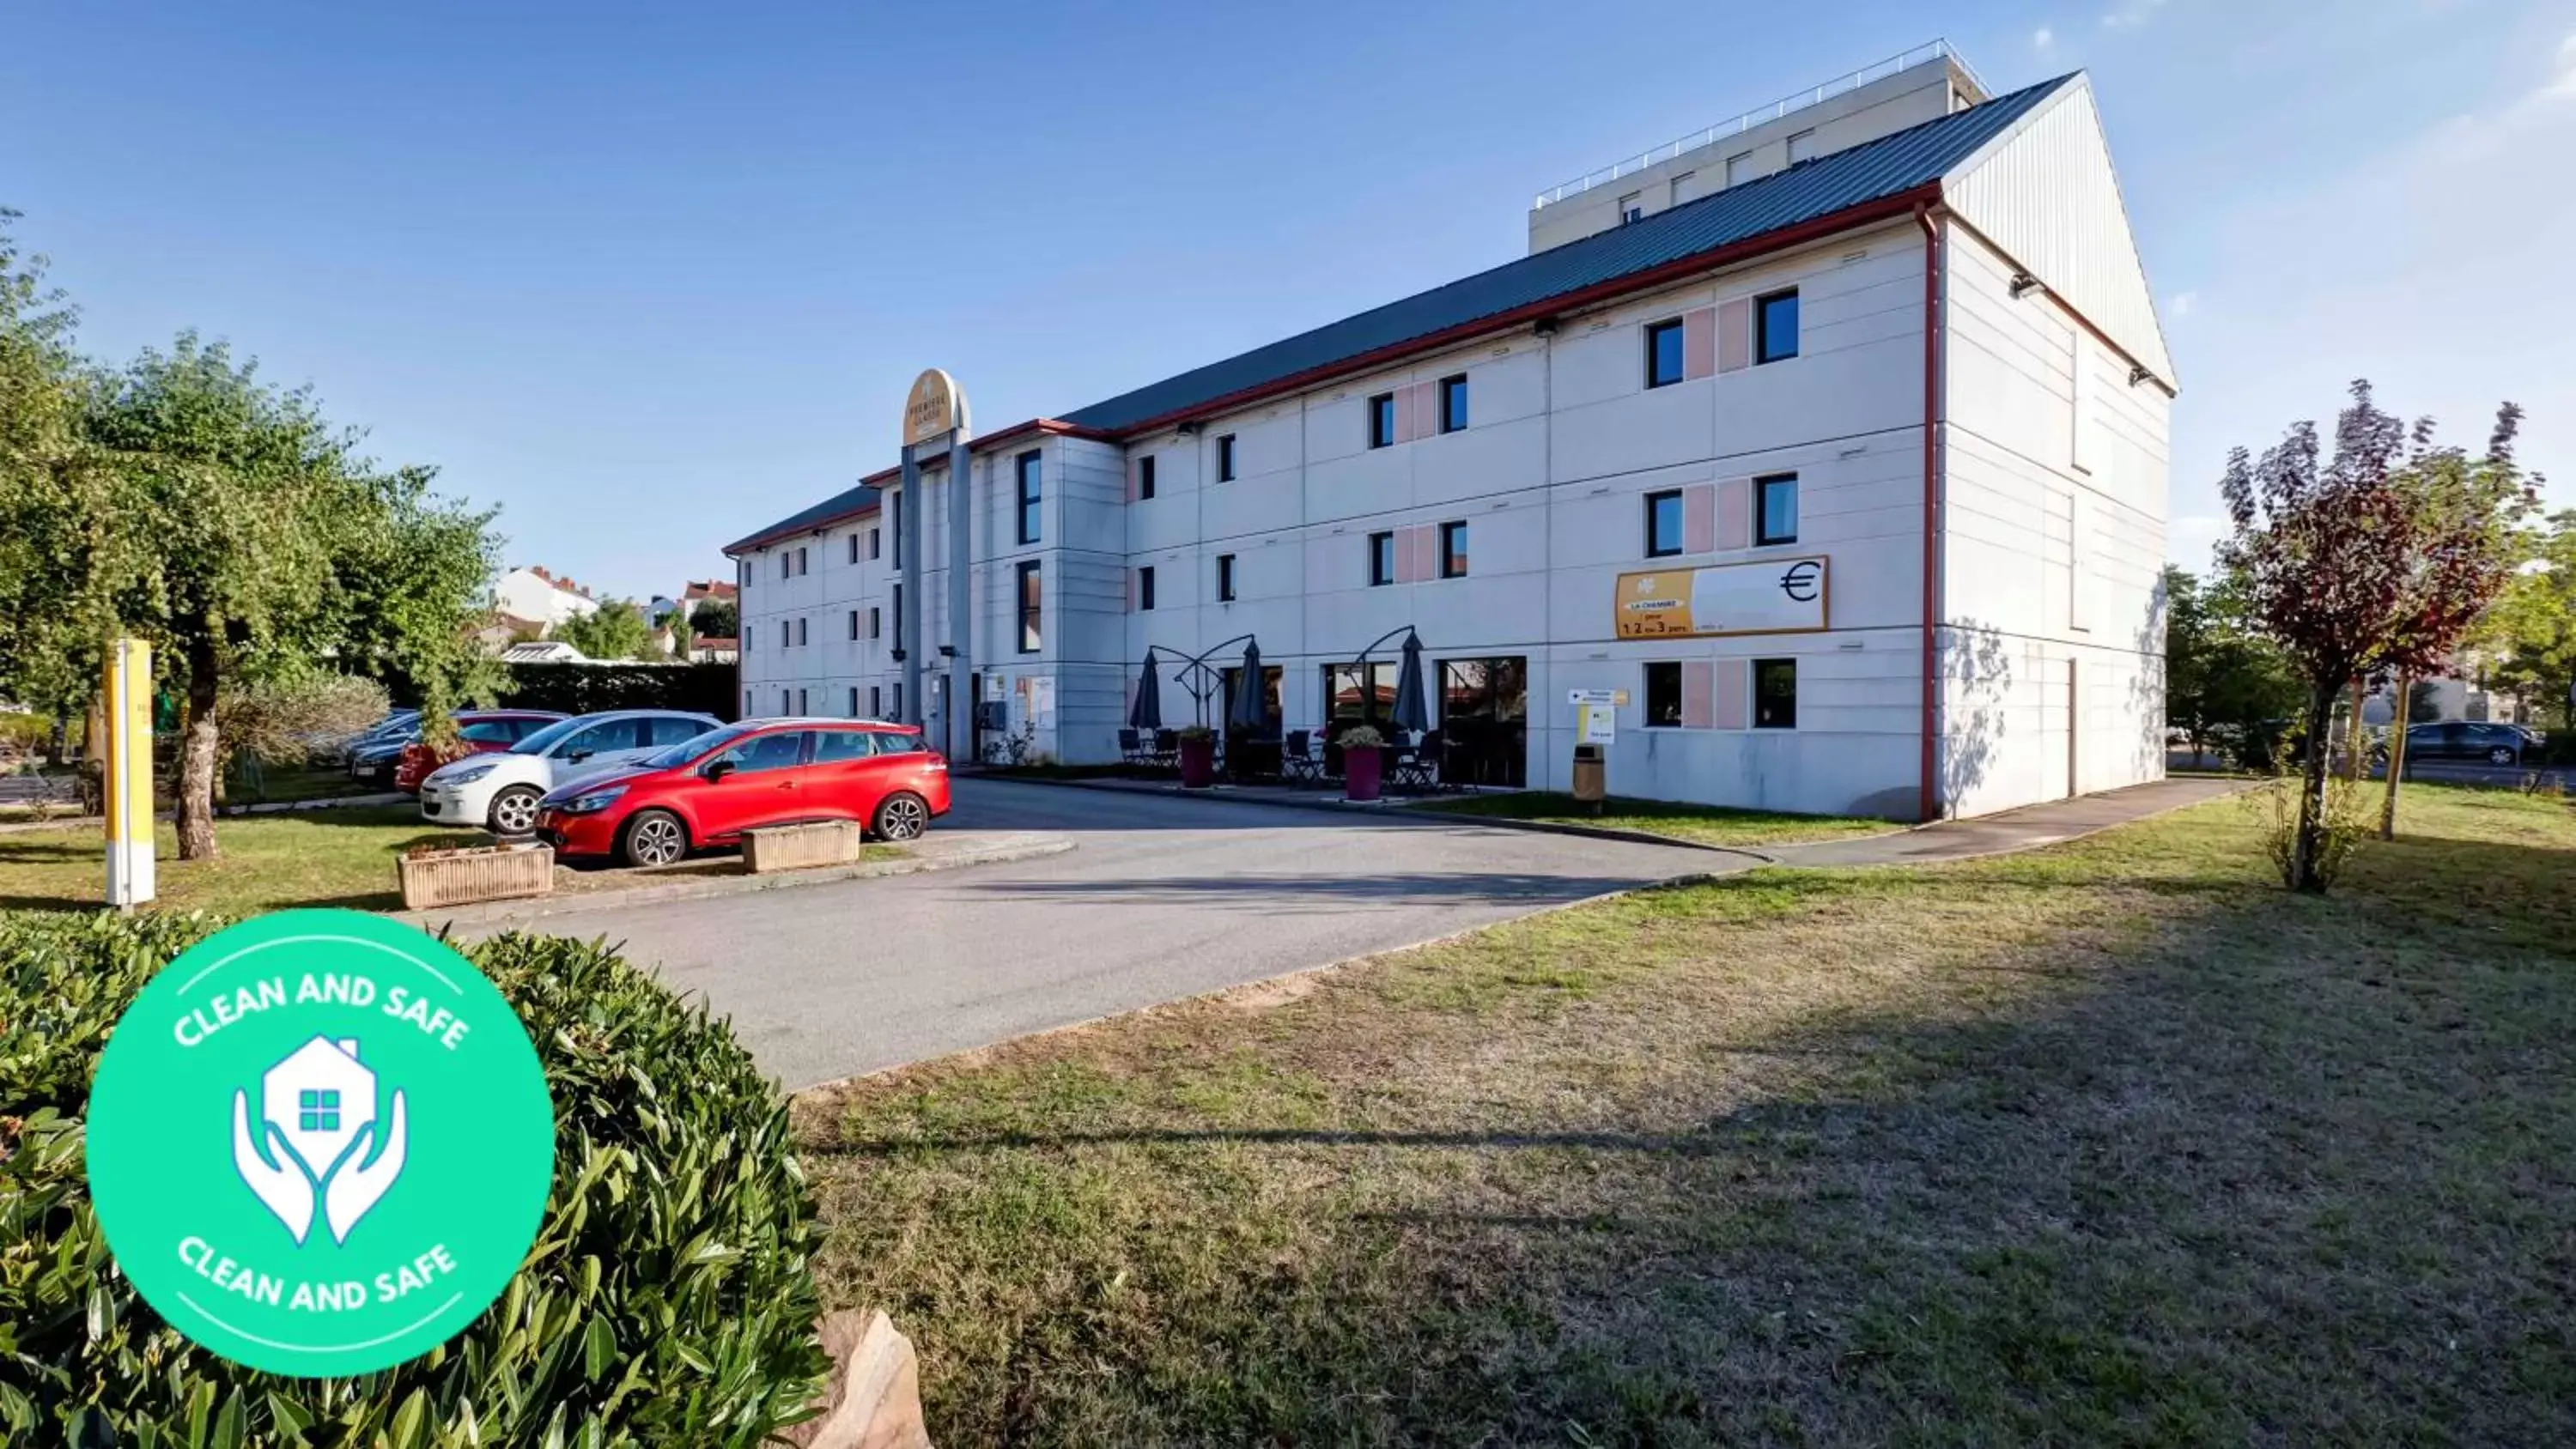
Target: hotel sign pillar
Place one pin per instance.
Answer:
(933, 414)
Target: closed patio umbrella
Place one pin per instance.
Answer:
(1410, 713)
(1147, 712)
(1248, 710)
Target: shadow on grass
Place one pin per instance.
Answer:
(2261, 1168)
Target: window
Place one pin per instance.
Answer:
(1381, 559)
(1739, 169)
(1029, 497)
(1225, 459)
(1664, 523)
(835, 747)
(1381, 420)
(896, 517)
(1775, 694)
(785, 699)
(778, 750)
(787, 565)
(1225, 578)
(876, 543)
(1453, 550)
(853, 710)
(898, 616)
(801, 635)
(786, 634)
(802, 563)
(1802, 146)
(876, 700)
(1775, 327)
(1030, 589)
(1631, 208)
(318, 1111)
(1453, 403)
(1664, 695)
(876, 622)
(746, 701)
(854, 623)
(906, 742)
(672, 730)
(898, 702)
(1775, 509)
(801, 706)
(854, 548)
(1145, 477)
(1683, 189)
(1664, 353)
(1145, 587)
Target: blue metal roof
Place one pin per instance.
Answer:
(1805, 192)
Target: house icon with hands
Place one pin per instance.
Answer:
(317, 1099)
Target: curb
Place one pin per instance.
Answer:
(1419, 811)
(538, 907)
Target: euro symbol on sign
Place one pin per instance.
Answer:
(1800, 581)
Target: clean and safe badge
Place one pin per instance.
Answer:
(319, 1143)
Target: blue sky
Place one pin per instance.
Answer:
(649, 275)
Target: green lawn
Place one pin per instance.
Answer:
(2113, 1143)
(1702, 824)
(270, 862)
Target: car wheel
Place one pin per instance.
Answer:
(514, 811)
(2500, 755)
(653, 837)
(901, 816)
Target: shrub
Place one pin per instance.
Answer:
(667, 1300)
(589, 688)
(2348, 821)
(280, 721)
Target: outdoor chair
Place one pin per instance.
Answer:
(1131, 747)
(1297, 762)
(1417, 765)
(1167, 746)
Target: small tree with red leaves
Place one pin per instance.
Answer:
(2380, 560)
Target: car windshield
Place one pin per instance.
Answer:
(696, 745)
(544, 739)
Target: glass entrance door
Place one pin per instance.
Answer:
(1484, 721)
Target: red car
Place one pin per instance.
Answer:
(478, 732)
(711, 789)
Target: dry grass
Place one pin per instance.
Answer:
(2111, 1143)
(1700, 824)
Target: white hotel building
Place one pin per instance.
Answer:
(1834, 436)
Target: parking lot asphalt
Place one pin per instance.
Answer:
(1160, 899)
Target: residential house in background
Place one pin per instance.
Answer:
(531, 593)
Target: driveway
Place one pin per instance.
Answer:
(1161, 898)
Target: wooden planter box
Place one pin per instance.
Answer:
(801, 847)
(475, 873)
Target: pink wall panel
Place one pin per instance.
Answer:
(1696, 704)
(1735, 513)
(1699, 342)
(1404, 429)
(1426, 408)
(1726, 707)
(1699, 519)
(1132, 466)
(1735, 335)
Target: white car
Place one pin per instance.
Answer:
(499, 791)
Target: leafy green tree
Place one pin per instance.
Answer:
(715, 619)
(2224, 682)
(614, 630)
(51, 482)
(2532, 629)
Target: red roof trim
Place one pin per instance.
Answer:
(1886, 208)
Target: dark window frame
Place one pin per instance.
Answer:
(1453, 419)
(1763, 537)
(1145, 589)
(876, 543)
(854, 546)
(876, 622)
(854, 623)
(1781, 720)
(1225, 578)
(1762, 339)
(1649, 692)
(876, 701)
(1145, 478)
(804, 631)
(1381, 420)
(1681, 523)
(1032, 606)
(1032, 484)
(1656, 332)
(1225, 459)
(1381, 559)
(1454, 560)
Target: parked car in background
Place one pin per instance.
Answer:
(759, 773)
(478, 732)
(402, 722)
(499, 791)
(2464, 739)
(373, 763)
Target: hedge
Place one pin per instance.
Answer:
(667, 1300)
(586, 688)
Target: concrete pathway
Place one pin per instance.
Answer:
(2028, 828)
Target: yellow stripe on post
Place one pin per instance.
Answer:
(128, 776)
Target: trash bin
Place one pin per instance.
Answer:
(1591, 781)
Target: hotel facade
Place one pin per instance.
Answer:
(1830, 441)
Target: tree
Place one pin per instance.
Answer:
(614, 630)
(2532, 629)
(715, 619)
(2223, 681)
(50, 482)
(2382, 559)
